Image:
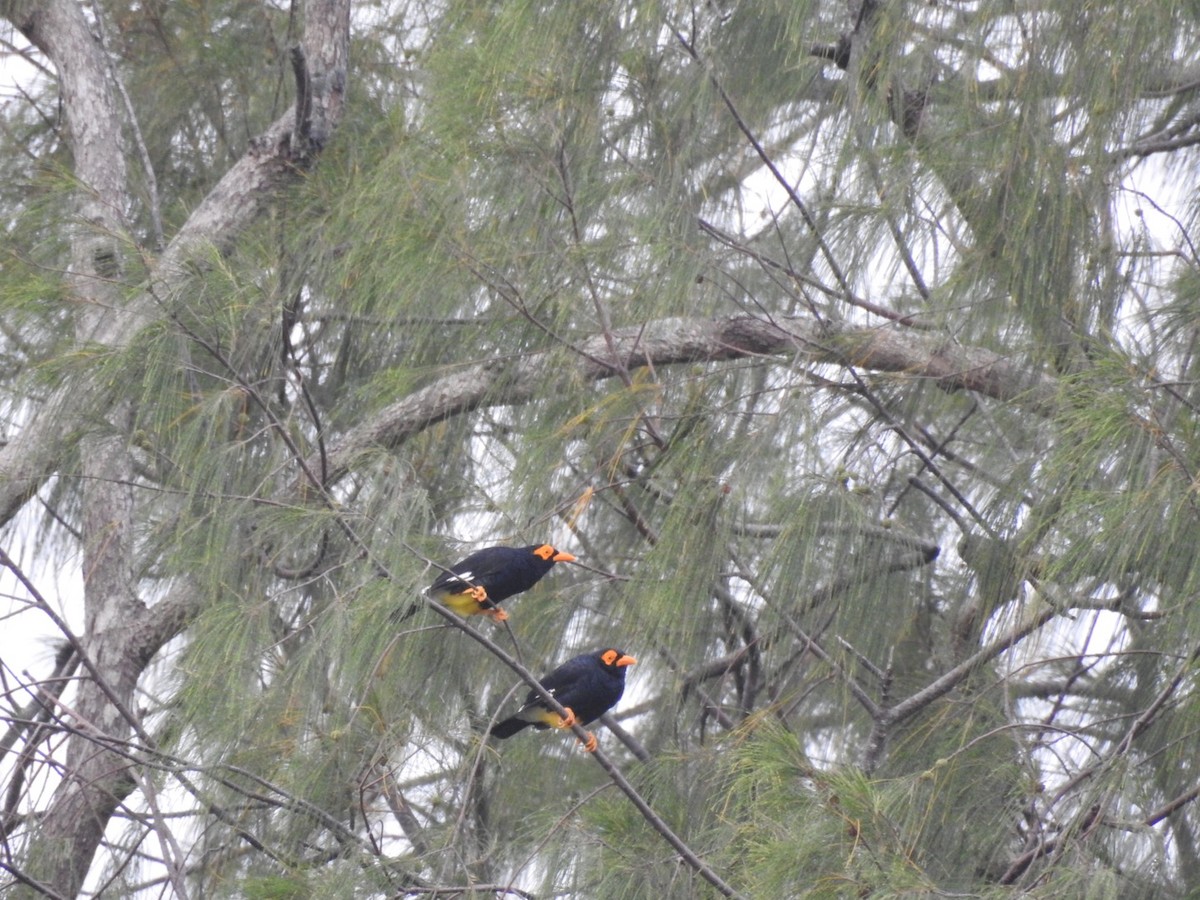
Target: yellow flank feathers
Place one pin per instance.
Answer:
(548, 717)
(463, 604)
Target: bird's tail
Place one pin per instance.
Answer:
(404, 613)
(509, 727)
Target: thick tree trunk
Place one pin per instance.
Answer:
(95, 779)
(121, 635)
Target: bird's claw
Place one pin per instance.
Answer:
(568, 720)
(478, 593)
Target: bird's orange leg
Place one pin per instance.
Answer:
(568, 720)
(479, 594)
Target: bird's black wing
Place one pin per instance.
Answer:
(479, 567)
(561, 681)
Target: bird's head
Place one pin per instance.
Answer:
(615, 659)
(549, 554)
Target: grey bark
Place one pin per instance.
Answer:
(889, 349)
(121, 634)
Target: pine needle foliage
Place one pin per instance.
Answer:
(850, 348)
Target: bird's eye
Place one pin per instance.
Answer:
(545, 551)
(609, 657)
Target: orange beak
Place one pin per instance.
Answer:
(561, 556)
(625, 661)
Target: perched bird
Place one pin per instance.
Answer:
(588, 686)
(477, 584)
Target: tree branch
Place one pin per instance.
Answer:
(886, 718)
(505, 382)
(241, 195)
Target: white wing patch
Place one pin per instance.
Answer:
(536, 702)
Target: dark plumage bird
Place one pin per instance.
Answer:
(588, 686)
(477, 584)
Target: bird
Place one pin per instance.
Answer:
(587, 686)
(478, 583)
